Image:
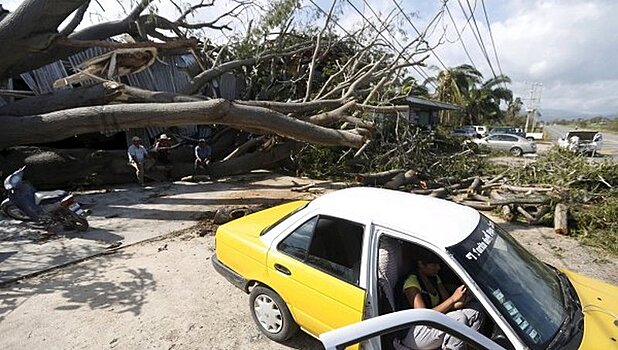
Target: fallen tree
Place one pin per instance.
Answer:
(317, 89)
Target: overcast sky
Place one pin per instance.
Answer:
(568, 46)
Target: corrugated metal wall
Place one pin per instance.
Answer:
(166, 74)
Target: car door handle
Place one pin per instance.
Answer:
(284, 270)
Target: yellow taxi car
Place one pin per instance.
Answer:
(340, 259)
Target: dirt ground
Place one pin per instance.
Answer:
(165, 294)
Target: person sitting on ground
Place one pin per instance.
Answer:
(137, 155)
(162, 147)
(202, 155)
(424, 289)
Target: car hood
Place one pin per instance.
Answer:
(599, 302)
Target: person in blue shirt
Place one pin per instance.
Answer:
(202, 155)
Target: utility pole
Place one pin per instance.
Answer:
(532, 104)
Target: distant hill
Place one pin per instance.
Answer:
(554, 114)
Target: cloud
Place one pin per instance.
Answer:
(569, 46)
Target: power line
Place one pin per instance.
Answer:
(420, 71)
(424, 75)
(459, 36)
(405, 15)
(335, 21)
(493, 44)
(479, 39)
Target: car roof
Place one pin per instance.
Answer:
(434, 220)
(511, 135)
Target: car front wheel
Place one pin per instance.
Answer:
(516, 151)
(271, 314)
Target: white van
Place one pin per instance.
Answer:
(481, 130)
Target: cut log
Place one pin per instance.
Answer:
(438, 193)
(478, 197)
(541, 211)
(476, 183)
(526, 189)
(519, 200)
(377, 178)
(561, 219)
(497, 177)
(529, 218)
(507, 213)
(495, 195)
(401, 179)
(478, 205)
(395, 182)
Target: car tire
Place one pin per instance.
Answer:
(530, 138)
(516, 151)
(271, 314)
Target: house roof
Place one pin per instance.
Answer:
(416, 102)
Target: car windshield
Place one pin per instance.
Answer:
(526, 291)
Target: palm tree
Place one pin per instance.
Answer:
(479, 101)
(483, 103)
(454, 85)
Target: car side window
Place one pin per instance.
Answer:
(297, 243)
(329, 244)
(510, 138)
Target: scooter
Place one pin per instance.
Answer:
(58, 206)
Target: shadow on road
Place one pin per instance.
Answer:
(80, 287)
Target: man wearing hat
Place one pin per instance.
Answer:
(202, 155)
(163, 146)
(137, 154)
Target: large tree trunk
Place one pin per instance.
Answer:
(70, 168)
(55, 126)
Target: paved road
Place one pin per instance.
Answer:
(610, 141)
(131, 214)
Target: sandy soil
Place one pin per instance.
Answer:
(164, 294)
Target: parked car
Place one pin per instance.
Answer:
(314, 265)
(466, 131)
(516, 145)
(481, 130)
(507, 130)
(582, 141)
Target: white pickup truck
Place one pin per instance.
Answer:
(582, 141)
(535, 136)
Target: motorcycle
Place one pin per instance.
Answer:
(57, 206)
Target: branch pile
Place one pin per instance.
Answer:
(575, 194)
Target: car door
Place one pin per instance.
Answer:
(395, 253)
(495, 143)
(316, 268)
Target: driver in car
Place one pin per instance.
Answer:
(424, 289)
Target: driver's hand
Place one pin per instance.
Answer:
(459, 294)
